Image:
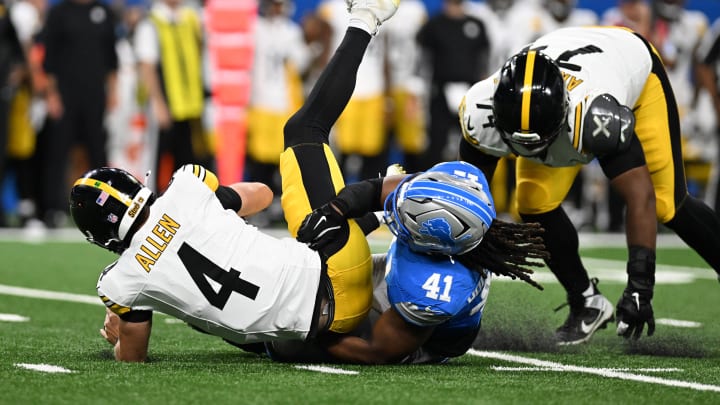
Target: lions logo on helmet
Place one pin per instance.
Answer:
(105, 203)
(446, 210)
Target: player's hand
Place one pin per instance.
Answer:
(325, 230)
(111, 327)
(633, 311)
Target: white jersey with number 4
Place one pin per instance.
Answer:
(203, 264)
(593, 61)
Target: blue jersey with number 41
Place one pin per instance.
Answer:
(436, 291)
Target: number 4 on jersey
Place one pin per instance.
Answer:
(200, 266)
(432, 286)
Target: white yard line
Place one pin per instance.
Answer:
(607, 373)
(328, 370)
(45, 368)
(13, 318)
(640, 370)
(49, 295)
(677, 323)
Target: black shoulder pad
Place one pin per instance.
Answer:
(608, 126)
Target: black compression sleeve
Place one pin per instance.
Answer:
(229, 198)
(618, 163)
(357, 199)
(136, 316)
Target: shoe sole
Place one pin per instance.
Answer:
(602, 325)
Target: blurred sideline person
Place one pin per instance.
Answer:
(28, 114)
(455, 49)
(128, 145)
(270, 289)
(168, 46)
(708, 74)
(677, 33)
(633, 14)
(280, 56)
(360, 134)
(81, 66)
(574, 95)
(407, 90)
(12, 70)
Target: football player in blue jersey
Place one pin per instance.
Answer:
(438, 269)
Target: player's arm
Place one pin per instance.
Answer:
(245, 198)
(129, 335)
(609, 134)
(392, 340)
(254, 197)
(481, 144)
(483, 161)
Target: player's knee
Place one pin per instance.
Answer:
(298, 130)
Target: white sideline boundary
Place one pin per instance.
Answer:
(602, 372)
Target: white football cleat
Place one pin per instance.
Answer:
(371, 13)
(583, 322)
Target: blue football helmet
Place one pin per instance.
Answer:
(445, 210)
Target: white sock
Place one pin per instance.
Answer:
(364, 20)
(590, 291)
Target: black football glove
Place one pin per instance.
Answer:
(634, 309)
(325, 230)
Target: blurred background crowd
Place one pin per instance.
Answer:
(152, 85)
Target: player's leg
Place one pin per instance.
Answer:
(311, 176)
(658, 128)
(540, 191)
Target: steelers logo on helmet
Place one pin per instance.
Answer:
(105, 203)
(530, 103)
(446, 210)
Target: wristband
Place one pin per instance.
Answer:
(641, 269)
(357, 199)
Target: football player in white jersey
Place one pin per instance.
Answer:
(188, 253)
(575, 95)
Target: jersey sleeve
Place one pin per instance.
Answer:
(205, 175)
(477, 122)
(112, 293)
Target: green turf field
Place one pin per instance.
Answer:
(50, 316)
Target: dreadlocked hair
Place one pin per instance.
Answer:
(507, 249)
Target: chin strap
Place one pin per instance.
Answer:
(137, 204)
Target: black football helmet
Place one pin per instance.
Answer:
(105, 203)
(530, 103)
